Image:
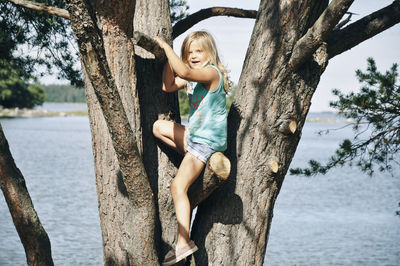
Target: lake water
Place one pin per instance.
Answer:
(343, 218)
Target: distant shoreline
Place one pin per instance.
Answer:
(39, 111)
(50, 109)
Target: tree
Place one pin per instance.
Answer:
(30, 41)
(21, 33)
(178, 10)
(30, 230)
(375, 112)
(15, 91)
(290, 47)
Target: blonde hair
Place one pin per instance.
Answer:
(207, 42)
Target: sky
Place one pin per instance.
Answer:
(232, 36)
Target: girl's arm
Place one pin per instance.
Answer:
(170, 82)
(206, 75)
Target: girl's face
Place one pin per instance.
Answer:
(197, 57)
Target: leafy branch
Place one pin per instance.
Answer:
(375, 111)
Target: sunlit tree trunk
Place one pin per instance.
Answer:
(233, 224)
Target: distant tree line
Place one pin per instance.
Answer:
(64, 93)
(15, 91)
(23, 95)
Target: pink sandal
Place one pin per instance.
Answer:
(177, 254)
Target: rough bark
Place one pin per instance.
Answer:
(238, 215)
(30, 230)
(318, 33)
(97, 69)
(160, 162)
(126, 202)
(149, 44)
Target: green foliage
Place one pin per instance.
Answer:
(183, 102)
(375, 111)
(15, 91)
(37, 95)
(178, 10)
(64, 93)
(398, 212)
(230, 97)
(33, 40)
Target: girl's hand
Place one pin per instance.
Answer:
(160, 41)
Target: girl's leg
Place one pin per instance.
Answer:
(188, 171)
(171, 133)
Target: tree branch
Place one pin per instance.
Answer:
(149, 44)
(363, 29)
(42, 7)
(216, 172)
(92, 53)
(319, 32)
(186, 23)
(30, 230)
(345, 21)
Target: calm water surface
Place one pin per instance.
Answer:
(343, 218)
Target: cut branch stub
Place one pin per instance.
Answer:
(272, 165)
(216, 171)
(149, 44)
(220, 165)
(288, 127)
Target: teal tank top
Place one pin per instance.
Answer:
(207, 117)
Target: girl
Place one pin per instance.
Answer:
(205, 79)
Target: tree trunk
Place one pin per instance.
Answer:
(30, 230)
(160, 161)
(232, 225)
(138, 78)
(128, 228)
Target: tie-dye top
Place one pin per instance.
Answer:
(207, 118)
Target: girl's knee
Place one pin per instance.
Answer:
(156, 128)
(176, 189)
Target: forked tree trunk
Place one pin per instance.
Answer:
(153, 19)
(138, 78)
(127, 228)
